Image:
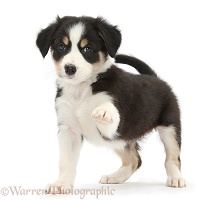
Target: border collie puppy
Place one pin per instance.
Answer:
(109, 107)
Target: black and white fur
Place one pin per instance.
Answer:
(104, 104)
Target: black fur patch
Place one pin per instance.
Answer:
(139, 65)
(143, 101)
(59, 92)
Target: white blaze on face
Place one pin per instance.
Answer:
(74, 57)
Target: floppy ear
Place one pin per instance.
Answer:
(110, 34)
(44, 37)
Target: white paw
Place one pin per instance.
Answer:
(176, 182)
(108, 179)
(102, 116)
(58, 188)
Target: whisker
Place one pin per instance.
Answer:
(49, 73)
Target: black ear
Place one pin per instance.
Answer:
(110, 34)
(44, 37)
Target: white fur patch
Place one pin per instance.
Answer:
(75, 108)
(167, 135)
(74, 57)
(75, 32)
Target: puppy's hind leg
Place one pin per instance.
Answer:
(131, 161)
(169, 135)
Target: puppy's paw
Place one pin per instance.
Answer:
(109, 179)
(58, 188)
(176, 182)
(101, 115)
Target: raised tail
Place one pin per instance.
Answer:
(139, 65)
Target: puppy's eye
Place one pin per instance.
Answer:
(61, 47)
(87, 49)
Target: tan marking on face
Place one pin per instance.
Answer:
(57, 64)
(129, 156)
(83, 43)
(101, 61)
(65, 40)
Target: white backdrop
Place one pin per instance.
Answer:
(165, 34)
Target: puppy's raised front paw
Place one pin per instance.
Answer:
(102, 116)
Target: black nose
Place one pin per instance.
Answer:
(70, 69)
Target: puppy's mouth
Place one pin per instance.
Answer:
(70, 76)
(67, 76)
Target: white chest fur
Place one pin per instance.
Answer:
(74, 109)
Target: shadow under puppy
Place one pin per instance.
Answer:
(103, 103)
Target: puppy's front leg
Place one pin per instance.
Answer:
(70, 145)
(107, 119)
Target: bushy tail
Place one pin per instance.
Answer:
(139, 65)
